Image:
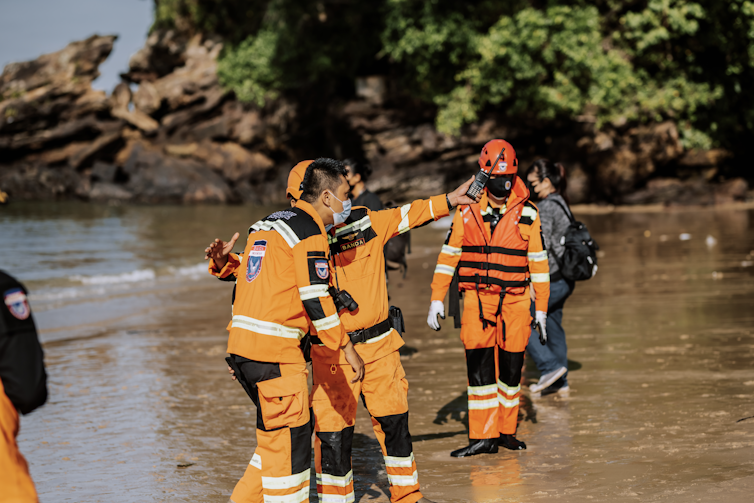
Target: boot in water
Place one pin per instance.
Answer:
(511, 442)
(484, 446)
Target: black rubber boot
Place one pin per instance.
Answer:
(511, 442)
(485, 446)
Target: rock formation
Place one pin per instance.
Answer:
(170, 133)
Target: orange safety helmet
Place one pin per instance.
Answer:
(501, 152)
(295, 177)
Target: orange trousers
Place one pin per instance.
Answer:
(384, 392)
(494, 357)
(16, 485)
(279, 470)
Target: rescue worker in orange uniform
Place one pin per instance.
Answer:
(23, 387)
(358, 267)
(496, 252)
(282, 291)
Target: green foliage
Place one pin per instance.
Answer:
(603, 61)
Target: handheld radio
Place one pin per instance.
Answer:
(481, 179)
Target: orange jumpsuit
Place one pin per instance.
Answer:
(359, 268)
(281, 291)
(16, 485)
(496, 320)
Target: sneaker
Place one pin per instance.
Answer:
(547, 380)
(563, 390)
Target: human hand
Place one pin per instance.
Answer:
(458, 196)
(232, 373)
(541, 318)
(218, 250)
(353, 358)
(436, 308)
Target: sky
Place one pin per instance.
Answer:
(30, 28)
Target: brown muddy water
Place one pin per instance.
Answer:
(141, 407)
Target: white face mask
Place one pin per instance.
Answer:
(340, 217)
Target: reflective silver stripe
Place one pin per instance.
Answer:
(266, 328)
(398, 462)
(287, 482)
(543, 277)
(336, 498)
(359, 225)
(378, 338)
(431, 210)
(403, 480)
(507, 403)
(296, 497)
(312, 292)
(325, 479)
(483, 404)
(331, 321)
(489, 389)
(508, 390)
(256, 461)
(450, 250)
(280, 227)
(445, 269)
(537, 256)
(530, 212)
(404, 225)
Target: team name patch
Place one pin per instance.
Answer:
(285, 214)
(254, 262)
(352, 244)
(322, 269)
(15, 299)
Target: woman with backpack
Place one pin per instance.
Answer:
(547, 184)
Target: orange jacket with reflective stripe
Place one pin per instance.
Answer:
(510, 257)
(359, 268)
(282, 281)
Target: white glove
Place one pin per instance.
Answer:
(436, 308)
(541, 317)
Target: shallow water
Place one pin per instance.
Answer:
(141, 407)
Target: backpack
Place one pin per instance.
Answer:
(579, 260)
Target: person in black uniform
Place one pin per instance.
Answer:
(357, 176)
(23, 385)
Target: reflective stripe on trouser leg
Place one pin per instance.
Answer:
(509, 389)
(482, 391)
(333, 465)
(385, 395)
(279, 470)
(334, 403)
(395, 440)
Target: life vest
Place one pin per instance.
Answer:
(498, 263)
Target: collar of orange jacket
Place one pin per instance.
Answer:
(519, 194)
(311, 211)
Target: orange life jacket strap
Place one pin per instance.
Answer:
(486, 280)
(486, 266)
(487, 250)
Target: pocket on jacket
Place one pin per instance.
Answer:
(282, 401)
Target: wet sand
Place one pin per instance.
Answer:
(661, 344)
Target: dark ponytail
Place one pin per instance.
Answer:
(555, 171)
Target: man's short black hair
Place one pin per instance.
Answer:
(321, 175)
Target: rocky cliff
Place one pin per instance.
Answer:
(170, 133)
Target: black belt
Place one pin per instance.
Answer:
(365, 334)
(556, 276)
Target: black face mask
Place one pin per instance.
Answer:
(500, 186)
